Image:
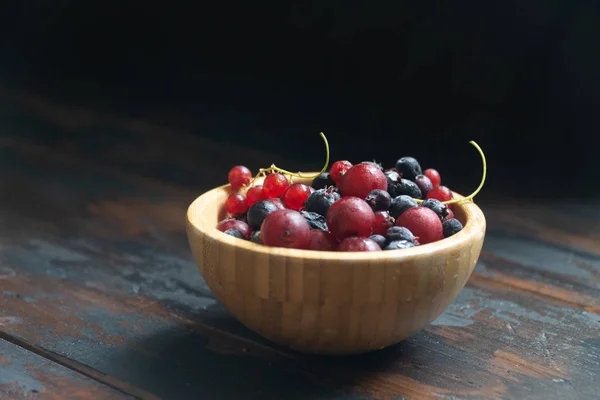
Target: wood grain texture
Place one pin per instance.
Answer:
(95, 271)
(332, 302)
(25, 375)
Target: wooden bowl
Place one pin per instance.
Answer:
(332, 302)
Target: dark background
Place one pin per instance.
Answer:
(381, 79)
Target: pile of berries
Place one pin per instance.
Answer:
(350, 207)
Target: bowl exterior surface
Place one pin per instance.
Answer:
(332, 303)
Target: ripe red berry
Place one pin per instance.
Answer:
(423, 223)
(255, 194)
(275, 185)
(236, 204)
(232, 223)
(450, 214)
(361, 179)
(383, 222)
(239, 176)
(350, 216)
(285, 228)
(338, 169)
(296, 196)
(441, 193)
(321, 240)
(355, 243)
(433, 176)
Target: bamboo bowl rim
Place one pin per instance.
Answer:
(473, 221)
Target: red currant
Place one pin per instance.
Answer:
(441, 193)
(232, 223)
(296, 196)
(383, 222)
(321, 240)
(275, 185)
(239, 176)
(423, 222)
(285, 228)
(433, 176)
(236, 204)
(350, 216)
(255, 194)
(361, 179)
(338, 169)
(355, 243)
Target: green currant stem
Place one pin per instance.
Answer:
(483, 177)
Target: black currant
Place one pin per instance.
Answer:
(436, 206)
(315, 220)
(399, 233)
(256, 238)
(235, 233)
(379, 200)
(451, 227)
(424, 184)
(258, 212)
(401, 204)
(322, 181)
(380, 240)
(399, 244)
(320, 200)
(408, 167)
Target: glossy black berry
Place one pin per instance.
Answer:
(234, 233)
(256, 238)
(379, 200)
(401, 204)
(322, 181)
(408, 188)
(399, 244)
(408, 167)
(436, 206)
(393, 181)
(424, 184)
(451, 227)
(320, 200)
(258, 212)
(396, 233)
(380, 240)
(315, 221)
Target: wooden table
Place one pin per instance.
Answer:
(100, 299)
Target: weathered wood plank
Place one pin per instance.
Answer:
(96, 268)
(25, 375)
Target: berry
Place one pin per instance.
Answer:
(277, 202)
(441, 193)
(256, 238)
(236, 204)
(433, 176)
(258, 212)
(380, 240)
(436, 206)
(275, 185)
(296, 195)
(321, 240)
(424, 184)
(239, 176)
(379, 200)
(408, 168)
(383, 221)
(401, 204)
(315, 221)
(361, 179)
(322, 181)
(338, 169)
(450, 214)
(398, 244)
(376, 164)
(355, 243)
(398, 186)
(285, 228)
(235, 233)
(231, 223)
(320, 201)
(255, 194)
(451, 227)
(423, 223)
(350, 216)
(396, 233)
